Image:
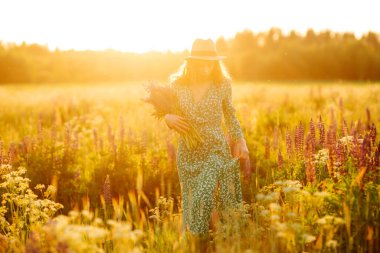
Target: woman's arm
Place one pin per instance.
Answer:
(232, 123)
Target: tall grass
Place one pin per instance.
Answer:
(112, 184)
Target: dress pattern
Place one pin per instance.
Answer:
(201, 168)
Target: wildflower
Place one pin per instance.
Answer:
(98, 222)
(329, 219)
(347, 140)
(87, 214)
(308, 238)
(372, 133)
(274, 207)
(290, 189)
(136, 234)
(107, 191)
(291, 214)
(278, 182)
(294, 183)
(50, 191)
(264, 212)
(121, 229)
(312, 131)
(3, 211)
(289, 149)
(280, 226)
(73, 214)
(322, 157)
(331, 137)
(321, 221)
(338, 220)
(272, 196)
(274, 217)
(331, 244)
(4, 168)
(321, 128)
(94, 233)
(310, 163)
(260, 196)
(39, 187)
(299, 140)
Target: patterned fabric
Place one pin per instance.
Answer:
(201, 168)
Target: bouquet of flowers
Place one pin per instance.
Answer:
(165, 102)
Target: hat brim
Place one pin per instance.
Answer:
(209, 58)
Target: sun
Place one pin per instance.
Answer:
(147, 25)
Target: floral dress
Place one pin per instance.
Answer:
(202, 167)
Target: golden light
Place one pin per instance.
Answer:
(145, 25)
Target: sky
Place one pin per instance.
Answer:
(161, 25)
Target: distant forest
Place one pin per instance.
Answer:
(263, 56)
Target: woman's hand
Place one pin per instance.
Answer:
(178, 123)
(241, 149)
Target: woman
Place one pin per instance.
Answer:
(207, 171)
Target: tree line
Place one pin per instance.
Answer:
(269, 55)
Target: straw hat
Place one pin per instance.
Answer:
(203, 49)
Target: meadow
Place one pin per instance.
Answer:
(87, 168)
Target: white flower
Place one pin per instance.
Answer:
(264, 212)
(274, 207)
(87, 214)
(39, 187)
(308, 238)
(338, 220)
(291, 214)
(281, 234)
(293, 183)
(260, 196)
(347, 140)
(280, 226)
(327, 219)
(73, 214)
(290, 189)
(272, 196)
(50, 191)
(98, 221)
(331, 244)
(321, 221)
(322, 157)
(278, 182)
(305, 193)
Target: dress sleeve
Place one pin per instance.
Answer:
(229, 112)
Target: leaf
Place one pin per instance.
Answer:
(369, 233)
(318, 243)
(360, 176)
(347, 218)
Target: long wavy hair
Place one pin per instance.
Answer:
(186, 74)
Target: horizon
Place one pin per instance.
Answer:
(166, 27)
(7, 43)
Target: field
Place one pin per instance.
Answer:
(87, 168)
